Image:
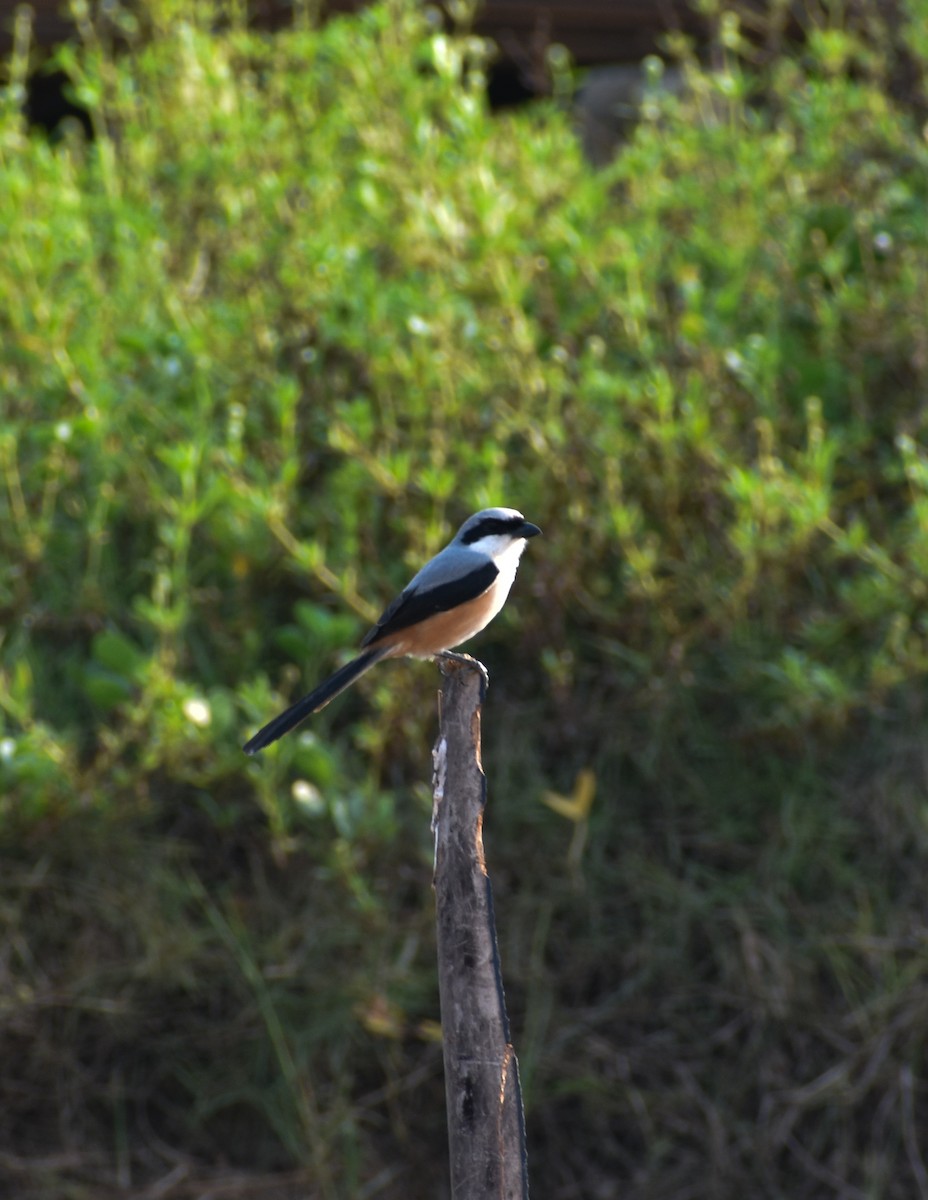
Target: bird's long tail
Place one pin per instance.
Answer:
(316, 699)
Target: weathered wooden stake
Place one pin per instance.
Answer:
(486, 1127)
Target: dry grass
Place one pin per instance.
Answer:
(694, 1020)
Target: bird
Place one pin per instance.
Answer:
(455, 595)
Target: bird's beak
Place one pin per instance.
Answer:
(529, 530)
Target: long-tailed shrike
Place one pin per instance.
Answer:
(453, 597)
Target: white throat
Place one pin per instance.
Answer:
(505, 552)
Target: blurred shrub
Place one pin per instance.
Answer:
(301, 305)
(298, 309)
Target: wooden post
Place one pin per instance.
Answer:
(486, 1127)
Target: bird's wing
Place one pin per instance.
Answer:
(419, 600)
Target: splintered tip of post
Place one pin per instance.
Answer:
(449, 662)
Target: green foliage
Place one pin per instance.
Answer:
(301, 305)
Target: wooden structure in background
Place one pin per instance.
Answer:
(595, 31)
